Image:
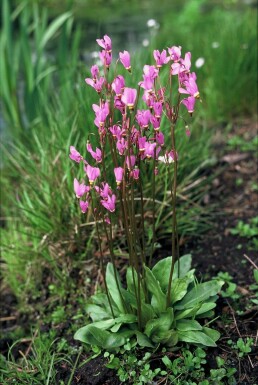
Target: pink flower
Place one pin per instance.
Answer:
(94, 71)
(125, 60)
(118, 85)
(143, 118)
(116, 132)
(119, 105)
(150, 71)
(136, 173)
(129, 97)
(175, 53)
(104, 191)
(80, 189)
(96, 155)
(155, 122)
(130, 161)
(119, 172)
(189, 103)
(121, 146)
(157, 108)
(109, 203)
(149, 149)
(183, 65)
(105, 43)
(75, 155)
(141, 143)
(92, 173)
(106, 58)
(101, 113)
(84, 206)
(160, 138)
(147, 84)
(160, 58)
(191, 86)
(149, 99)
(97, 84)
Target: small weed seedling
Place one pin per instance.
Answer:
(247, 230)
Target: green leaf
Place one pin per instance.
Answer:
(126, 319)
(196, 337)
(143, 340)
(53, 27)
(159, 298)
(162, 336)
(146, 309)
(256, 275)
(185, 325)
(105, 324)
(199, 293)
(187, 313)
(92, 335)
(179, 288)
(160, 324)
(162, 270)
(185, 263)
(96, 312)
(132, 282)
(205, 307)
(114, 287)
(213, 334)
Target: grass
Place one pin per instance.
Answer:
(225, 37)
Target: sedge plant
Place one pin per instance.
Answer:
(136, 132)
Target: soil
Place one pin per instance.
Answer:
(216, 251)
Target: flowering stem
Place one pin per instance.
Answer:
(102, 269)
(153, 210)
(174, 214)
(110, 245)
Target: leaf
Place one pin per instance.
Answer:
(92, 335)
(187, 313)
(53, 27)
(126, 319)
(162, 270)
(213, 334)
(114, 286)
(256, 275)
(173, 339)
(185, 325)
(199, 293)
(143, 340)
(132, 282)
(162, 337)
(196, 337)
(185, 263)
(207, 306)
(159, 300)
(160, 324)
(146, 309)
(105, 324)
(179, 289)
(96, 312)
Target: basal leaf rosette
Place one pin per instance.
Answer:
(183, 321)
